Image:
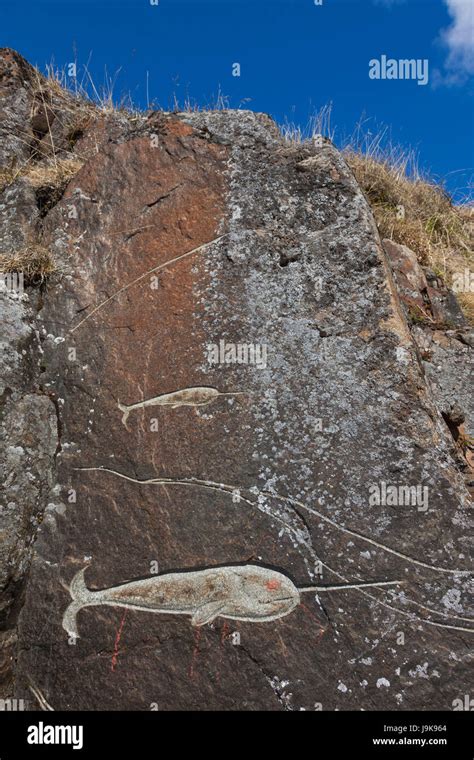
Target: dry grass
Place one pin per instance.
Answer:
(412, 209)
(54, 174)
(419, 214)
(82, 91)
(35, 261)
(318, 124)
(48, 176)
(8, 175)
(466, 301)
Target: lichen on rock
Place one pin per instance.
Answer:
(202, 253)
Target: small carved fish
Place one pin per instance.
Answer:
(197, 396)
(245, 592)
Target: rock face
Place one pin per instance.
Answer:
(445, 341)
(236, 385)
(28, 420)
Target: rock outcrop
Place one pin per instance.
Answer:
(445, 341)
(204, 256)
(28, 419)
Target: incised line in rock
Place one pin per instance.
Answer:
(223, 488)
(232, 489)
(248, 593)
(44, 704)
(142, 277)
(194, 396)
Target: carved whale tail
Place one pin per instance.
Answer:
(126, 411)
(79, 593)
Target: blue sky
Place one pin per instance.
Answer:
(295, 56)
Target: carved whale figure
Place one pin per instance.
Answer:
(242, 592)
(196, 396)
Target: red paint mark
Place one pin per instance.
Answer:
(224, 632)
(118, 636)
(311, 614)
(197, 639)
(273, 585)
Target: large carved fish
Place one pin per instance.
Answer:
(245, 592)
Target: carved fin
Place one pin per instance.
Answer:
(207, 613)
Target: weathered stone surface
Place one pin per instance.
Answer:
(411, 281)
(192, 234)
(28, 420)
(424, 295)
(30, 444)
(28, 441)
(445, 342)
(16, 78)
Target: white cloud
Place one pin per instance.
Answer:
(459, 37)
